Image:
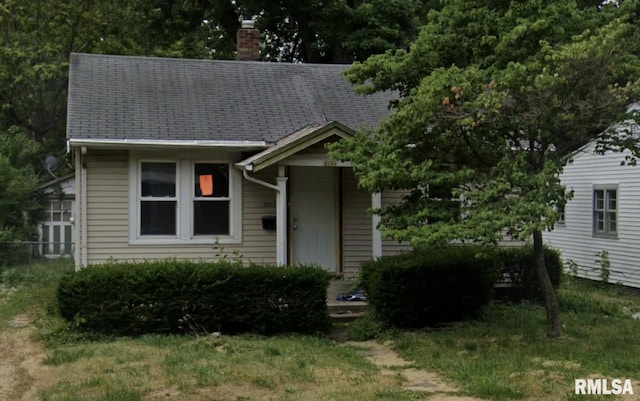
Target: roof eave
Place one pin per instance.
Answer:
(163, 144)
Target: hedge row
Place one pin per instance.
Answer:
(519, 271)
(433, 285)
(429, 285)
(180, 296)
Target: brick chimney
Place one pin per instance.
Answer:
(248, 42)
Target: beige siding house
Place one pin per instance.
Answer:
(208, 159)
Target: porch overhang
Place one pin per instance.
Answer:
(290, 145)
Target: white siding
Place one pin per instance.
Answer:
(575, 237)
(108, 218)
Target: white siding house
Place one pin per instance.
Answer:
(57, 227)
(602, 218)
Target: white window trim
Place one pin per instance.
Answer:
(605, 188)
(184, 214)
(139, 198)
(49, 225)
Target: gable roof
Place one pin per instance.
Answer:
(124, 99)
(293, 143)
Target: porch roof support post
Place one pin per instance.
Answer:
(281, 217)
(376, 203)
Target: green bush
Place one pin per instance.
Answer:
(430, 285)
(180, 296)
(519, 272)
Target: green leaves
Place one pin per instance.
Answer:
(19, 199)
(495, 97)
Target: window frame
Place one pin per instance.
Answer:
(194, 198)
(561, 208)
(140, 199)
(185, 180)
(47, 228)
(605, 210)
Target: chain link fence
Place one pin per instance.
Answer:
(26, 252)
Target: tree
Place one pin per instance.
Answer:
(334, 31)
(495, 98)
(19, 199)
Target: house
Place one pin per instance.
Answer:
(200, 159)
(57, 227)
(599, 229)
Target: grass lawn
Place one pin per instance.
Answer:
(505, 356)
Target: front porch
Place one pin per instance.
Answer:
(321, 215)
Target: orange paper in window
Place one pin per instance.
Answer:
(206, 185)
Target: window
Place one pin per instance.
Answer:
(175, 201)
(605, 211)
(560, 208)
(211, 199)
(158, 198)
(57, 234)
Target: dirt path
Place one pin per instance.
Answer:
(391, 364)
(22, 372)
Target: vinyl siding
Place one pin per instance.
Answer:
(108, 219)
(107, 205)
(575, 237)
(357, 228)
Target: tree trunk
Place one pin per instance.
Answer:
(554, 325)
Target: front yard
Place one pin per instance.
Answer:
(505, 356)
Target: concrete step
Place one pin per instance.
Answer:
(345, 318)
(346, 311)
(339, 307)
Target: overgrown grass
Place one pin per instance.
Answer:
(30, 288)
(187, 368)
(226, 368)
(506, 356)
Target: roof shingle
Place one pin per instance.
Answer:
(146, 98)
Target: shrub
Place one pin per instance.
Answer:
(519, 272)
(430, 285)
(180, 296)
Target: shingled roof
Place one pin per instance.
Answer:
(124, 98)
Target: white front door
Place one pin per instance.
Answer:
(313, 216)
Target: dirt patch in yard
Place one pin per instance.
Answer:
(22, 372)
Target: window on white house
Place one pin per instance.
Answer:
(158, 198)
(211, 201)
(605, 211)
(561, 208)
(57, 238)
(185, 200)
